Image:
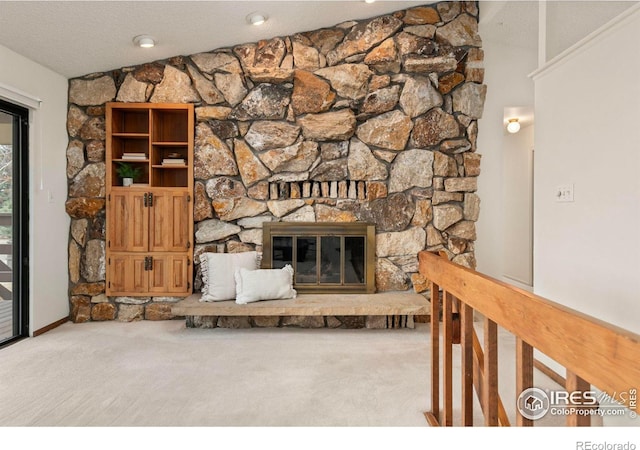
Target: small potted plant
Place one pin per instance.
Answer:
(128, 172)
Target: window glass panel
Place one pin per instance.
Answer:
(354, 272)
(330, 259)
(306, 261)
(282, 251)
(6, 228)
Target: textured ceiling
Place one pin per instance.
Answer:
(75, 38)
(513, 22)
(78, 37)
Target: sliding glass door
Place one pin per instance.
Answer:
(13, 222)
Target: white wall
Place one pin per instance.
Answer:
(587, 115)
(518, 206)
(506, 76)
(49, 223)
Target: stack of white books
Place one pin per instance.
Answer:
(136, 156)
(173, 161)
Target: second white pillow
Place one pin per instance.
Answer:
(264, 284)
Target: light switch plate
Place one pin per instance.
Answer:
(564, 193)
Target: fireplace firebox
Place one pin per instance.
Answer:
(326, 257)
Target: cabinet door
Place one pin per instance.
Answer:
(170, 274)
(169, 216)
(126, 274)
(128, 222)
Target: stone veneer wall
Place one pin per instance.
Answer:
(374, 121)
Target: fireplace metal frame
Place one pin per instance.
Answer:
(310, 229)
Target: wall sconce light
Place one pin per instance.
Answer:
(257, 18)
(513, 126)
(144, 41)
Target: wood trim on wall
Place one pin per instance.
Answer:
(50, 327)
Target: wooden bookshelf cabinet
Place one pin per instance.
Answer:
(150, 223)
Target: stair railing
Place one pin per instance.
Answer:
(594, 353)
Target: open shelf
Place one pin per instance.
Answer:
(121, 145)
(130, 121)
(170, 176)
(159, 132)
(170, 152)
(170, 125)
(143, 178)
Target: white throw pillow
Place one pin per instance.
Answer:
(264, 284)
(218, 270)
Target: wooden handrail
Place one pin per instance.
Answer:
(600, 353)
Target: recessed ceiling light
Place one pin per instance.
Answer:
(369, 1)
(257, 18)
(144, 41)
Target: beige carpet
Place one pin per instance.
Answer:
(163, 374)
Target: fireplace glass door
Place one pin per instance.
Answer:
(329, 257)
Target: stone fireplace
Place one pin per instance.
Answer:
(326, 257)
(372, 121)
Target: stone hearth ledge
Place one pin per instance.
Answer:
(378, 304)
